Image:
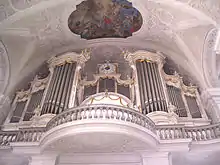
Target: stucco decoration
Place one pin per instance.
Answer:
(23, 4)
(105, 18)
(210, 8)
(5, 10)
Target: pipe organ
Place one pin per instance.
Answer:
(148, 89)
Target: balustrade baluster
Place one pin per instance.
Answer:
(117, 114)
(78, 114)
(163, 133)
(107, 113)
(101, 113)
(112, 113)
(217, 131)
(175, 133)
(208, 133)
(129, 116)
(212, 132)
(95, 111)
(204, 133)
(123, 115)
(90, 113)
(159, 133)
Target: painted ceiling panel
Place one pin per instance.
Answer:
(105, 18)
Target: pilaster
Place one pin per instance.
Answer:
(211, 101)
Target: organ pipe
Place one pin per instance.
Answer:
(150, 88)
(140, 80)
(177, 100)
(193, 107)
(33, 104)
(59, 92)
(64, 77)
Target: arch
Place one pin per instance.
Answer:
(209, 58)
(4, 68)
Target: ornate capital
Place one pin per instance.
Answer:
(143, 55)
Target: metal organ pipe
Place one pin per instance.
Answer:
(58, 107)
(58, 94)
(157, 98)
(148, 91)
(141, 87)
(64, 94)
(47, 100)
(162, 90)
(150, 86)
(70, 83)
(154, 97)
(176, 99)
(159, 87)
(53, 100)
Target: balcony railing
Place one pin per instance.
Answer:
(197, 133)
(107, 112)
(21, 135)
(113, 113)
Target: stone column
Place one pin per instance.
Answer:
(156, 158)
(4, 108)
(43, 159)
(211, 102)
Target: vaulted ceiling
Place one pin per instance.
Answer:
(32, 31)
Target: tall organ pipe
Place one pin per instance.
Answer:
(58, 107)
(51, 100)
(160, 98)
(162, 90)
(147, 103)
(155, 89)
(49, 91)
(141, 87)
(150, 86)
(147, 70)
(64, 94)
(57, 88)
(70, 83)
(155, 86)
(58, 94)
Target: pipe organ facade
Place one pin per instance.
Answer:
(148, 89)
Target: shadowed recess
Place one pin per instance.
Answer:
(104, 19)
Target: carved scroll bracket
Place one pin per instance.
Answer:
(38, 84)
(172, 80)
(189, 90)
(22, 95)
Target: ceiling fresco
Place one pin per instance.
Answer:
(104, 19)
